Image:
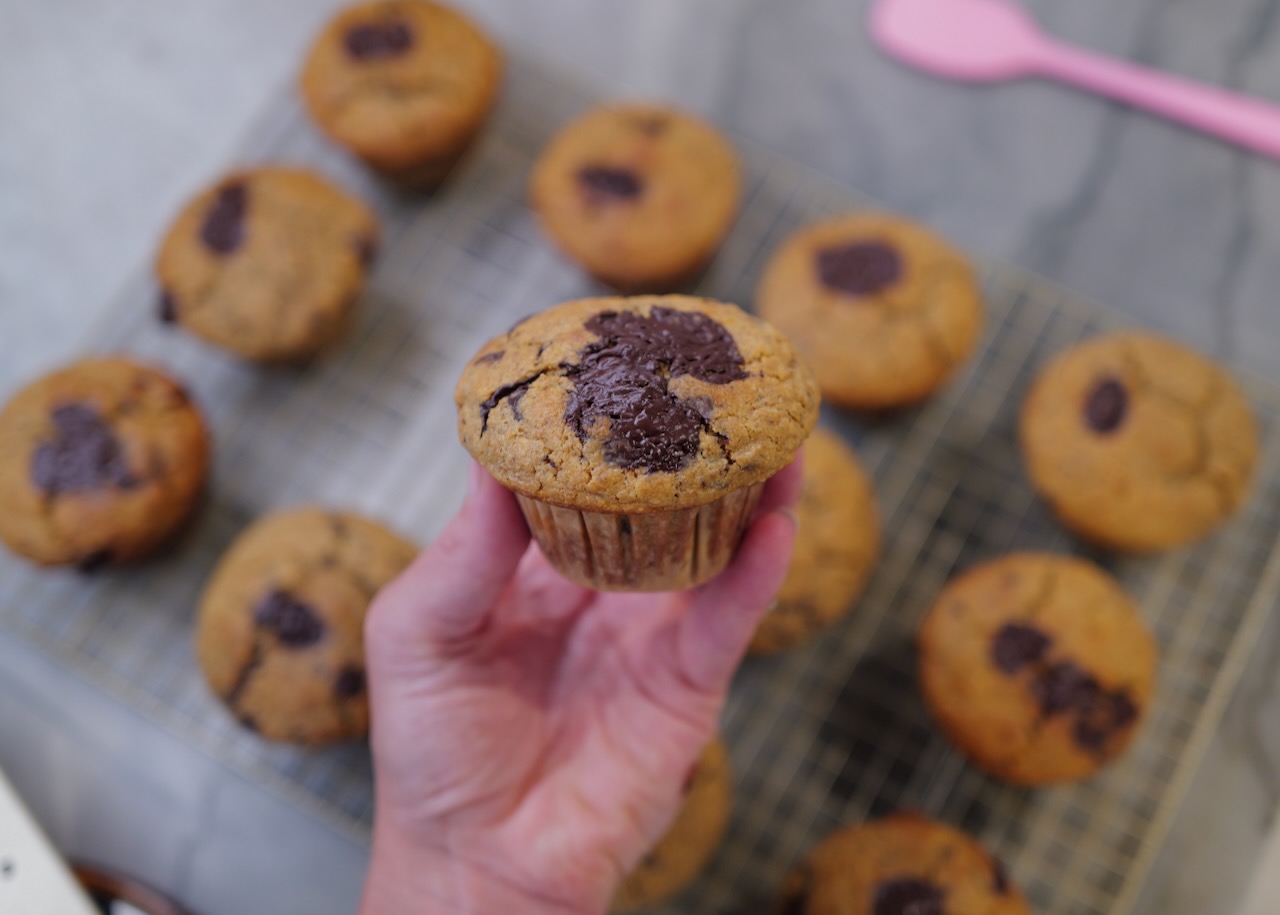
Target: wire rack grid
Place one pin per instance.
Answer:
(827, 735)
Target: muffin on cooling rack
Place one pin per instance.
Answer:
(1138, 443)
(1039, 667)
(837, 545)
(266, 263)
(640, 195)
(404, 84)
(100, 463)
(884, 310)
(637, 433)
(280, 634)
(901, 865)
(683, 853)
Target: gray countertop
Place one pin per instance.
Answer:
(113, 113)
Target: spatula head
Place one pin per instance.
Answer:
(980, 40)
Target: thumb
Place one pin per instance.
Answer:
(447, 593)
(718, 626)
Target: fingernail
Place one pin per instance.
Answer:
(790, 514)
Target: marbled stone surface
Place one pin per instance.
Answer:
(111, 113)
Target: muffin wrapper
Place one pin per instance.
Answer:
(653, 551)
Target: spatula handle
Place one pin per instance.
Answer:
(1229, 115)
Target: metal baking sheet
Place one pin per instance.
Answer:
(821, 737)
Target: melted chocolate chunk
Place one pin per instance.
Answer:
(1106, 716)
(489, 357)
(515, 391)
(292, 622)
(167, 307)
(625, 377)
(605, 183)
(349, 683)
(1065, 686)
(651, 125)
(83, 454)
(379, 40)
(908, 896)
(862, 268)
(999, 876)
(1017, 646)
(1106, 406)
(94, 561)
(223, 228)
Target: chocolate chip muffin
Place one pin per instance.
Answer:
(884, 310)
(837, 545)
(637, 433)
(900, 865)
(1038, 667)
(280, 634)
(1138, 443)
(640, 195)
(677, 860)
(404, 84)
(100, 463)
(267, 263)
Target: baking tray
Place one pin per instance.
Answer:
(827, 735)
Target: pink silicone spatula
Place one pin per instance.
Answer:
(992, 40)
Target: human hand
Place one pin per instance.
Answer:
(530, 737)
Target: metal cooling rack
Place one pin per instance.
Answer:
(824, 736)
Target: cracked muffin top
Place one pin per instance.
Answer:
(641, 404)
(883, 309)
(1039, 667)
(1137, 442)
(267, 263)
(100, 462)
(400, 81)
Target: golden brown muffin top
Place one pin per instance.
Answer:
(639, 404)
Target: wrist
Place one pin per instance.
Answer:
(405, 878)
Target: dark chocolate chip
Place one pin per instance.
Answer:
(908, 896)
(292, 622)
(603, 182)
(1107, 715)
(223, 228)
(489, 357)
(167, 307)
(349, 683)
(366, 249)
(378, 40)
(1017, 646)
(999, 876)
(862, 268)
(1106, 406)
(83, 454)
(651, 125)
(94, 561)
(1065, 686)
(625, 377)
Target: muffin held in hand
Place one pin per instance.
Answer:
(637, 433)
(837, 546)
(100, 463)
(677, 860)
(280, 635)
(1039, 667)
(404, 84)
(1138, 443)
(883, 310)
(267, 263)
(640, 196)
(900, 865)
